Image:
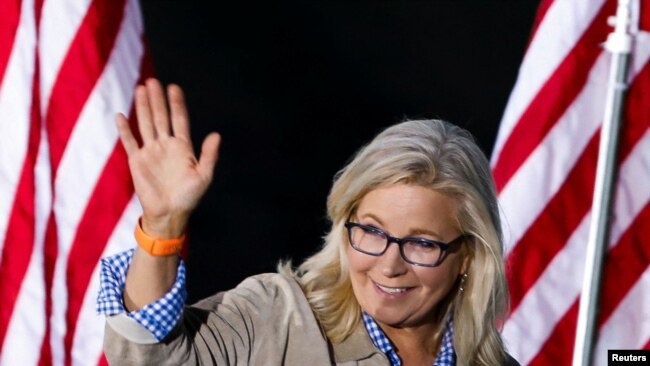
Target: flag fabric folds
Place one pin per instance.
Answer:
(544, 163)
(66, 199)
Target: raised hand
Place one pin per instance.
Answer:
(169, 181)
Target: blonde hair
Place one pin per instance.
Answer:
(445, 158)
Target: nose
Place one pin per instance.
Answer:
(391, 262)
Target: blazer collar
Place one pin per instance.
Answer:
(357, 346)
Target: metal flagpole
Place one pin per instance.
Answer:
(619, 44)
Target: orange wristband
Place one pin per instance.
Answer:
(158, 246)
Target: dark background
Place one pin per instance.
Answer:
(296, 87)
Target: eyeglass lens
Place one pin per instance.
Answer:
(374, 242)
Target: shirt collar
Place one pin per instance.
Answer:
(446, 356)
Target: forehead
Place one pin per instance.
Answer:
(403, 207)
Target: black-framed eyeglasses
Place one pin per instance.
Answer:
(418, 251)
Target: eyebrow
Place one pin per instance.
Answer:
(413, 232)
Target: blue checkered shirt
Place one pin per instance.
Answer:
(446, 356)
(160, 316)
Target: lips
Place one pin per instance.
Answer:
(392, 290)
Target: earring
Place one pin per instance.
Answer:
(463, 278)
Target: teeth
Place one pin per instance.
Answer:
(391, 290)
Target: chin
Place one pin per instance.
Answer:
(392, 317)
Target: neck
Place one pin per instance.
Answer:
(415, 345)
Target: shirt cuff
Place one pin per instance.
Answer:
(158, 317)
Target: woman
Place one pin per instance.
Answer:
(435, 297)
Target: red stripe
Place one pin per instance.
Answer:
(38, 9)
(82, 67)
(102, 361)
(550, 231)
(108, 201)
(10, 10)
(647, 345)
(20, 236)
(558, 348)
(547, 235)
(637, 111)
(80, 71)
(644, 18)
(625, 263)
(542, 9)
(50, 252)
(632, 254)
(557, 94)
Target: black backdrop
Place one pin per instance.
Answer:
(296, 87)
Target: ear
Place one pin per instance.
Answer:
(466, 261)
(464, 265)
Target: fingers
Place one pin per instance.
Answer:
(209, 154)
(154, 116)
(179, 115)
(158, 107)
(143, 112)
(126, 136)
(151, 110)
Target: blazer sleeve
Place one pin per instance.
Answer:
(264, 320)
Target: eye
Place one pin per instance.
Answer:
(371, 230)
(423, 244)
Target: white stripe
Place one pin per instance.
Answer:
(15, 104)
(633, 191)
(559, 286)
(59, 24)
(93, 139)
(88, 339)
(533, 321)
(542, 175)
(544, 172)
(629, 326)
(562, 26)
(27, 325)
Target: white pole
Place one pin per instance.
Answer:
(619, 44)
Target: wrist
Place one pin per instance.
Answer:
(165, 226)
(157, 246)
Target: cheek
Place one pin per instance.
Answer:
(359, 265)
(359, 262)
(440, 278)
(435, 280)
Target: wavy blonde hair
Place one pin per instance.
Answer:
(443, 157)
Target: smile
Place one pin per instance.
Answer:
(391, 290)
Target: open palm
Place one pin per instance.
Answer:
(169, 181)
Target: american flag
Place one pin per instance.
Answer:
(66, 199)
(544, 163)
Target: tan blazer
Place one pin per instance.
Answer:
(266, 320)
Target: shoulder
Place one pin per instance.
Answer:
(261, 290)
(271, 284)
(272, 278)
(268, 300)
